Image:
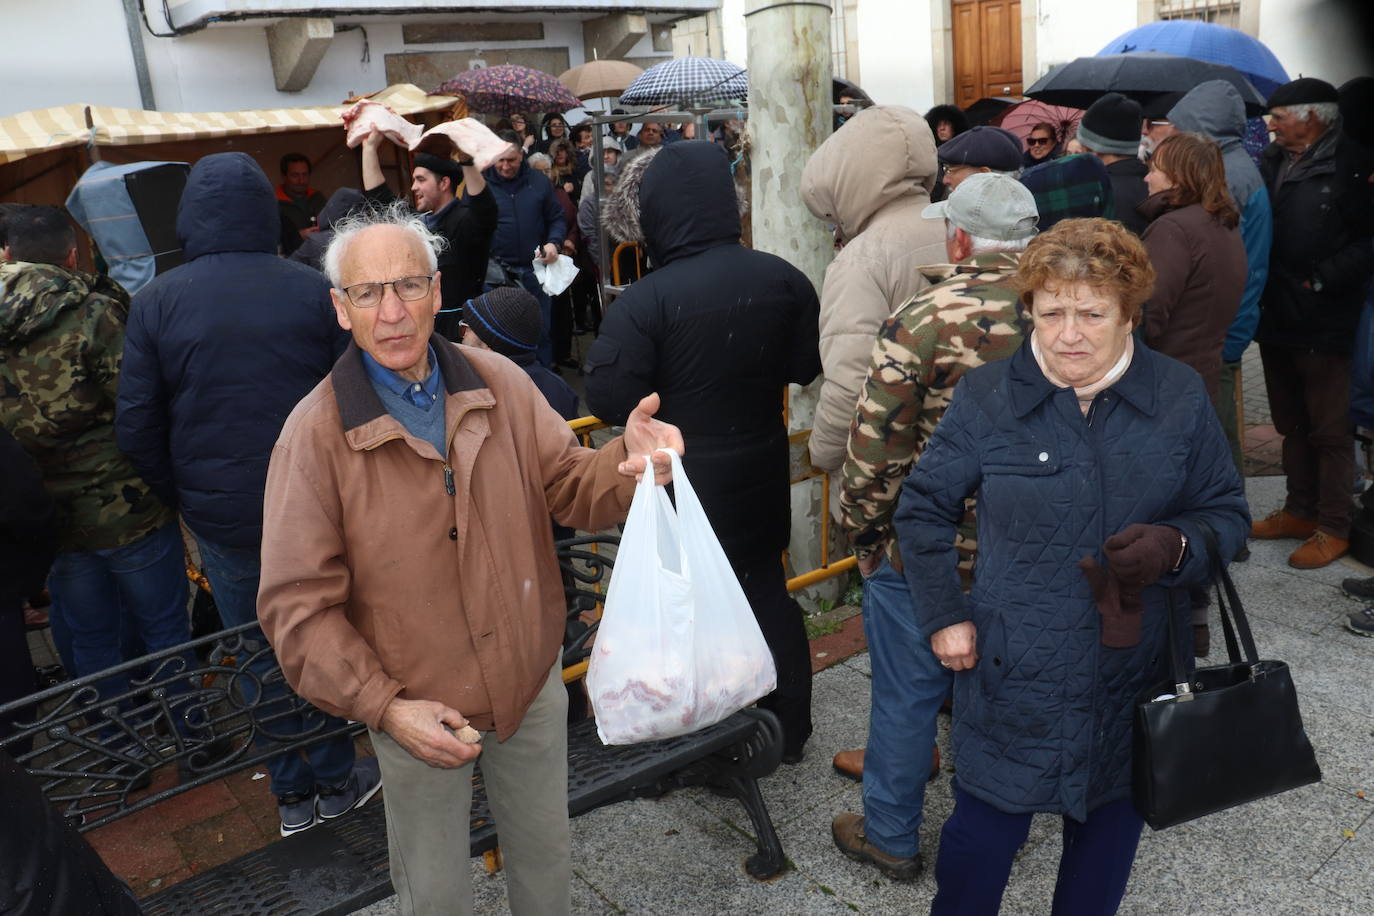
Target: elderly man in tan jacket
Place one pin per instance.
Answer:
(409, 578)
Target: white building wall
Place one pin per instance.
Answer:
(227, 67)
(896, 52)
(80, 53)
(1314, 38)
(733, 31)
(83, 55)
(1066, 29)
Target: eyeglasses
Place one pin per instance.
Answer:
(1160, 123)
(1039, 141)
(407, 289)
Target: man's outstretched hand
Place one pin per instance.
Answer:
(644, 436)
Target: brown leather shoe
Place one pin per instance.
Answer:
(848, 832)
(1317, 551)
(1283, 524)
(850, 764)
(1202, 640)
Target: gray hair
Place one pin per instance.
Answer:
(1325, 112)
(983, 245)
(541, 160)
(398, 214)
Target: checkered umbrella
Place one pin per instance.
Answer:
(687, 80)
(506, 89)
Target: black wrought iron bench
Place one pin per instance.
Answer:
(200, 706)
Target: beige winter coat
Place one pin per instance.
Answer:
(872, 179)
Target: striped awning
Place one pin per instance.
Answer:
(32, 132)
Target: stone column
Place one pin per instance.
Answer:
(789, 116)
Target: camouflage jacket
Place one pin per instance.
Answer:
(61, 337)
(970, 317)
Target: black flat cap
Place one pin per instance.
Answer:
(1305, 91)
(983, 147)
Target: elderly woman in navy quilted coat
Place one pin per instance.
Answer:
(1098, 465)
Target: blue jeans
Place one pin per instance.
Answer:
(979, 842)
(909, 684)
(233, 573)
(107, 602)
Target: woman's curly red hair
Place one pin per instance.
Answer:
(1100, 253)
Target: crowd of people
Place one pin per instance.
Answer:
(352, 407)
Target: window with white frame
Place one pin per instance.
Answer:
(839, 51)
(844, 50)
(1221, 12)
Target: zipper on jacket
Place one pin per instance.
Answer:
(448, 479)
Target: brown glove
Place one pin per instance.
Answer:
(1140, 554)
(1118, 604)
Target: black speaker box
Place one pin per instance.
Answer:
(155, 193)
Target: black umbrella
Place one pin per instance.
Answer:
(1141, 75)
(988, 110)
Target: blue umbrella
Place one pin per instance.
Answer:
(1209, 42)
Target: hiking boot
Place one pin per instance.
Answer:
(848, 832)
(297, 811)
(356, 791)
(1283, 524)
(1317, 551)
(1359, 589)
(1361, 623)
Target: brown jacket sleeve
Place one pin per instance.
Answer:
(582, 487)
(304, 585)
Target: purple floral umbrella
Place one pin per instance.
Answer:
(506, 89)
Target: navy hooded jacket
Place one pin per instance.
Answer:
(219, 350)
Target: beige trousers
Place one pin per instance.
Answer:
(427, 813)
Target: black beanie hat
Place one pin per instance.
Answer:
(506, 319)
(1112, 125)
(1304, 91)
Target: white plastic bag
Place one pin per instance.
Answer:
(678, 648)
(555, 277)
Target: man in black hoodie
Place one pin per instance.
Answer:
(217, 353)
(720, 330)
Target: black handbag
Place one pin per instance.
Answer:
(1228, 735)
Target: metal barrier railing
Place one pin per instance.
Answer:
(616, 278)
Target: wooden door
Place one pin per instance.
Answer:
(987, 49)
